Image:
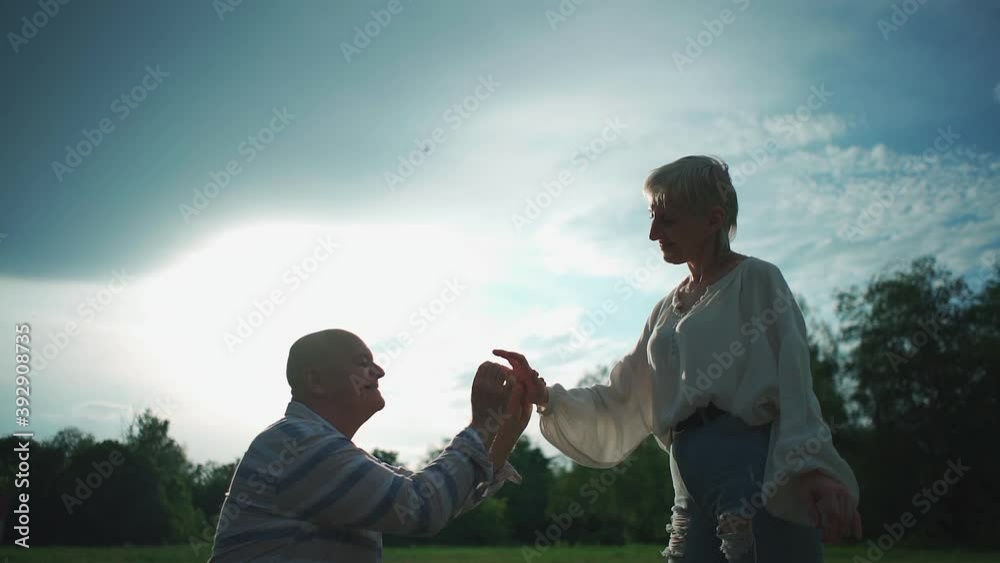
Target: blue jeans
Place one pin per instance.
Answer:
(716, 469)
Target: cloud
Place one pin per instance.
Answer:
(843, 213)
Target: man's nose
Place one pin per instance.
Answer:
(378, 372)
(654, 232)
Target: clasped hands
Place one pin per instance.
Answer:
(499, 411)
(502, 399)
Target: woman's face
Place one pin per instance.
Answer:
(682, 236)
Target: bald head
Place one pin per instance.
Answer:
(333, 373)
(324, 350)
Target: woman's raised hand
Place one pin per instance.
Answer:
(535, 390)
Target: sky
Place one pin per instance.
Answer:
(191, 186)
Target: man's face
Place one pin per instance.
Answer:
(352, 380)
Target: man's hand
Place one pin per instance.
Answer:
(517, 414)
(535, 390)
(491, 390)
(830, 507)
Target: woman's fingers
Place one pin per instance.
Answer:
(534, 384)
(830, 521)
(843, 515)
(832, 508)
(846, 514)
(815, 516)
(516, 360)
(522, 370)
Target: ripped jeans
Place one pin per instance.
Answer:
(715, 468)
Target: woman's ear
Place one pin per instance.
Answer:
(716, 217)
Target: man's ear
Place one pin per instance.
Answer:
(314, 381)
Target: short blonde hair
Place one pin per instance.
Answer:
(696, 184)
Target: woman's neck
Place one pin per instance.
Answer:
(704, 273)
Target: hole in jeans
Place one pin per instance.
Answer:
(736, 534)
(678, 528)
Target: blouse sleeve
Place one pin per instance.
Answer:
(600, 426)
(801, 440)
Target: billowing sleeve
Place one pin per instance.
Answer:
(600, 426)
(801, 441)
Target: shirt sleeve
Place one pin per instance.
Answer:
(335, 484)
(482, 490)
(486, 489)
(600, 426)
(801, 440)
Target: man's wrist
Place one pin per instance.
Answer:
(484, 434)
(498, 458)
(500, 450)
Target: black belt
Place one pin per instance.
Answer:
(700, 417)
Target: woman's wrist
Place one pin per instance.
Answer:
(544, 403)
(543, 397)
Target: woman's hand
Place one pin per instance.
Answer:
(830, 507)
(535, 390)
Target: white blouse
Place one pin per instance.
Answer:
(743, 347)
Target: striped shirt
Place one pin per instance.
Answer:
(303, 492)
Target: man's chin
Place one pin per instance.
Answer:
(373, 406)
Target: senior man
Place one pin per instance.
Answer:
(303, 491)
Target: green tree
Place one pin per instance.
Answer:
(825, 366)
(527, 502)
(209, 483)
(923, 357)
(158, 455)
(71, 440)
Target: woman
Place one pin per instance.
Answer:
(720, 375)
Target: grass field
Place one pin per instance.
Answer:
(184, 554)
